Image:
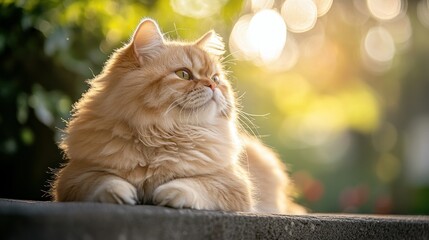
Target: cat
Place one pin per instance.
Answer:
(158, 126)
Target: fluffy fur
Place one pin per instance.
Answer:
(142, 134)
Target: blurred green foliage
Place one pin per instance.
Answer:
(48, 49)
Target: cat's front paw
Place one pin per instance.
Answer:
(182, 194)
(115, 191)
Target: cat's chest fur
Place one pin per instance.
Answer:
(120, 146)
(187, 147)
(185, 152)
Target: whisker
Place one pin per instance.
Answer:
(184, 105)
(256, 115)
(175, 30)
(174, 104)
(229, 62)
(247, 128)
(228, 56)
(245, 120)
(174, 90)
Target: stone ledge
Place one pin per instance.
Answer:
(47, 220)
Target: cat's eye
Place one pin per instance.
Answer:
(184, 74)
(216, 79)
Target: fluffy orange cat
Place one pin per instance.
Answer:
(158, 126)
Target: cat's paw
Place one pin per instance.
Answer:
(182, 194)
(115, 191)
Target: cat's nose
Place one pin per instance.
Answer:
(209, 83)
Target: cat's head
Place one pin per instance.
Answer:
(153, 80)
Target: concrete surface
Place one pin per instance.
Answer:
(47, 220)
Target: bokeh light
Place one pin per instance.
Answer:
(311, 188)
(336, 149)
(323, 6)
(258, 5)
(239, 45)
(352, 198)
(379, 45)
(401, 31)
(383, 204)
(260, 37)
(315, 119)
(300, 15)
(289, 56)
(267, 34)
(385, 9)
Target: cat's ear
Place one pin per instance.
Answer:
(147, 40)
(212, 43)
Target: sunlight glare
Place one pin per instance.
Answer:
(238, 43)
(267, 35)
(300, 15)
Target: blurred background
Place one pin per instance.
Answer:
(340, 88)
